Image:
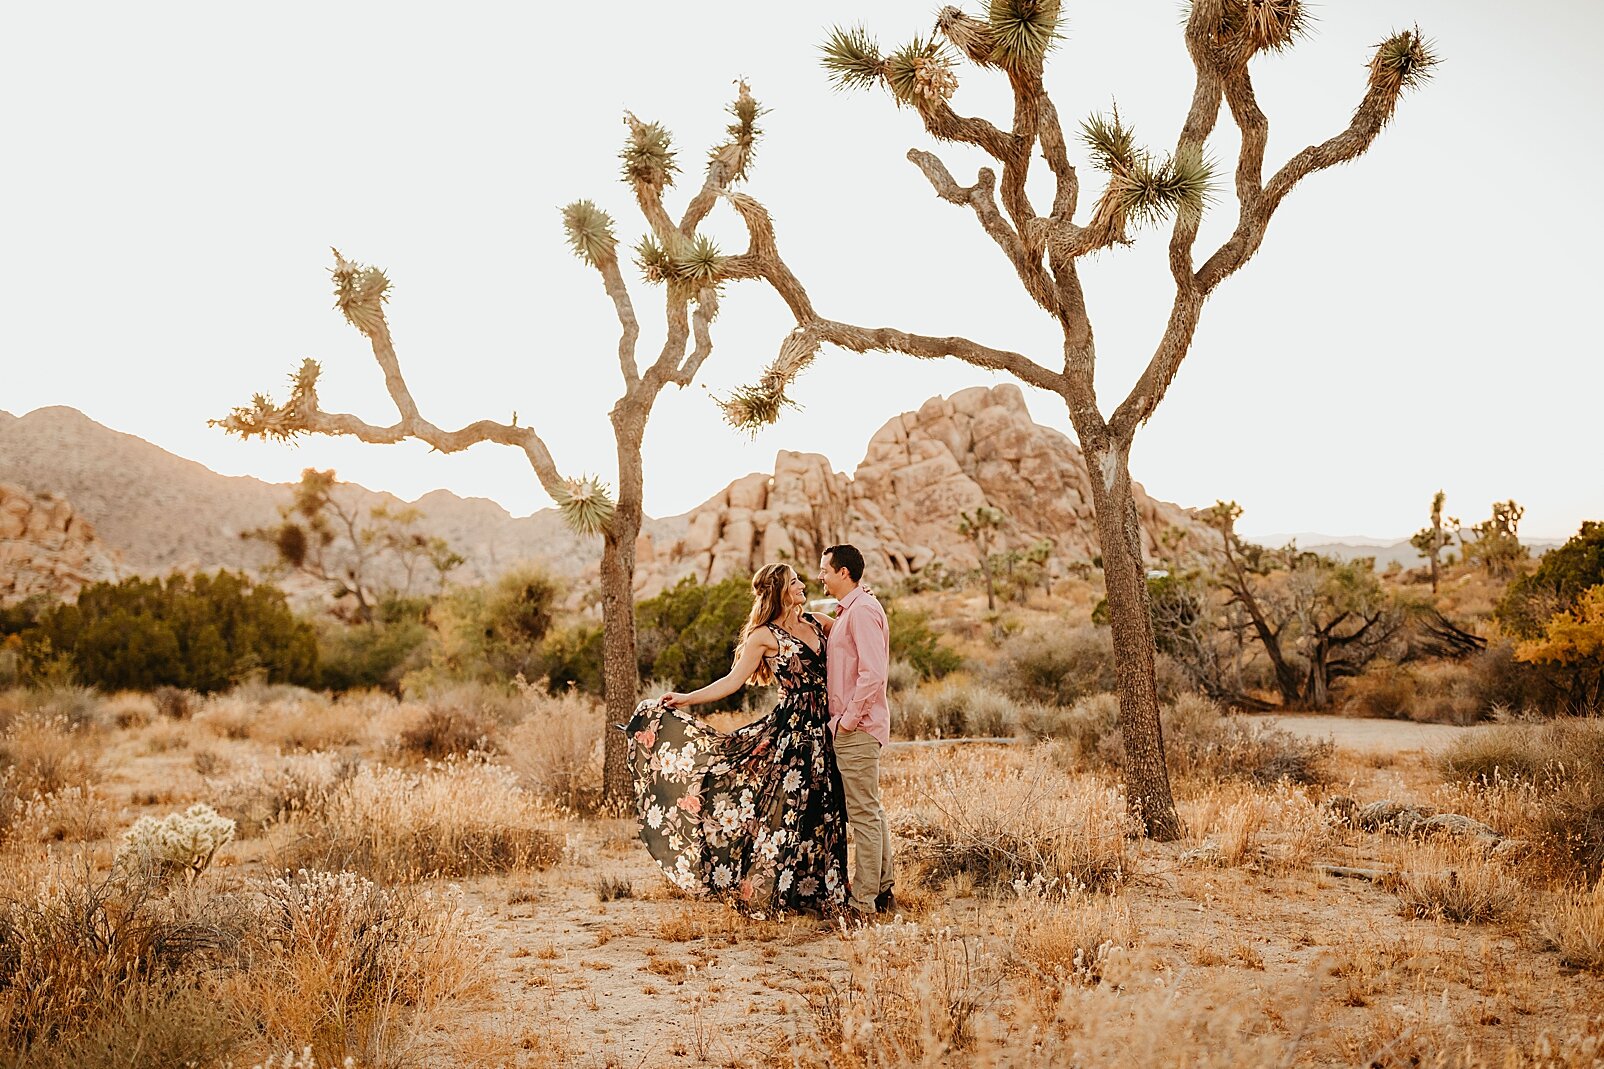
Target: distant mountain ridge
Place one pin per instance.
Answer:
(163, 513)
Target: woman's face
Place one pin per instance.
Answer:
(796, 591)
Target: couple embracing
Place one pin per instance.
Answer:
(759, 815)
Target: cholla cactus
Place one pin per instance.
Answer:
(180, 842)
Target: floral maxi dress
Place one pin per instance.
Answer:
(756, 815)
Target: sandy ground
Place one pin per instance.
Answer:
(1373, 736)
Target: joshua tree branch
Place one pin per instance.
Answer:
(1399, 63)
(701, 321)
(629, 334)
(980, 197)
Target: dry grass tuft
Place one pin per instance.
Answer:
(1543, 783)
(459, 818)
(1069, 937)
(1443, 882)
(259, 794)
(993, 825)
(344, 965)
(1282, 828)
(91, 957)
(556, 749)
(47, 753)
(1573, 924)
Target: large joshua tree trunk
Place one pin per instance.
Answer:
(620, 665)
(1045, 246)
(1130, 619)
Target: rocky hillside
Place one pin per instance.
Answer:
(901, 505)
(47, 548)
(162, 513)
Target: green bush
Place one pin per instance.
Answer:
(355, 657)
(489, 633)
(1561, 576)
(914, 641)
(202, 633)
(688, 633)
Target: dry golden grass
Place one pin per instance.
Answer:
(459, 818)
(1573, 924)
(993, 822)
(1226, 949)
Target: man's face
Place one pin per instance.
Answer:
(833, 579)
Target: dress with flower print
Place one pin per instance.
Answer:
(754, 815)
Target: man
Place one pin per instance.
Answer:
(860, 718)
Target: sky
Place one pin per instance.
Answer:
(1417, 319)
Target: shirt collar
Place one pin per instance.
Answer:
(852, 596)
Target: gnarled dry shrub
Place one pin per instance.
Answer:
(260, 793)
(1056, 665)
(1456, 884)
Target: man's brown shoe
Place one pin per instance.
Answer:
(885, 902)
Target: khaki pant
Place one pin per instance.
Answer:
(857, 755)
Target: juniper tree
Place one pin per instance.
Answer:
(690, 271)
(1046, 248)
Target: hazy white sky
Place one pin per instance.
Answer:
(177, 171)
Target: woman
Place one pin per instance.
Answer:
(755, 815)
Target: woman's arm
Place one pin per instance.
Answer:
(826, 622)
(758, 643)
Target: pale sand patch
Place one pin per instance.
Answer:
(1365, 735)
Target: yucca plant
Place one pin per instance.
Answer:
(691, 268)
(1045, 246)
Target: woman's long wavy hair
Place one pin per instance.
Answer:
(768, 602)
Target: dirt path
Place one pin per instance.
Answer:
(1373, 736)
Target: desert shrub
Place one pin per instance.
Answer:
(1082, 726)
(1387, 690)
(129, 709)
(352, 656)
(448, 730)
(489, 633)
(201, 632)
(259, 794)
(1458, 885)
(341, 962)
(46, 753)
(556, 750)
(993, 826)
(88, 954)
(1573, 924)
(688, 632)
(174, 703)
(1555, 773)
(459, 818)
(1498, 681)
(1201, 740)
(915, 642)
(572, 658)
(1243, 823)
(901, 677)
(1056, 665)
(956, 708)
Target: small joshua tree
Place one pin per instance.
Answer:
(981, 528)
(691, 271)
(1045, 248)
(1430, 541)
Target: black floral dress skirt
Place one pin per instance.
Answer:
(754, 816)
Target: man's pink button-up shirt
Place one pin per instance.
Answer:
(859, 658)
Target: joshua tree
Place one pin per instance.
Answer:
(1431, 540)
(1497, 543)
(981, 528)
(691, 270)
(1046, 249)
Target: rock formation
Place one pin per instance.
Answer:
(47, 548)
(977, 447)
